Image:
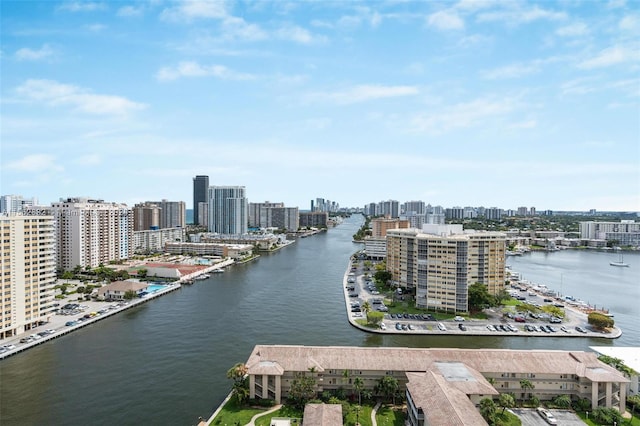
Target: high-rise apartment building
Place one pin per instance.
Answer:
(15, 203)
(228, 210)
(380, 226)
(173, 214)
(441, 261)
(623, 233)
(200, 195)
(258, 213)
(203, 215)
(416, 207)
(91, 232)
(27, 272)
(146, 216)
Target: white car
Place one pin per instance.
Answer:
(8, 347)
(458, 318)
(547, 416)
(383, 326)
(441, 327)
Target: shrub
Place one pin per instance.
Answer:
(607, 416)
(599, 320)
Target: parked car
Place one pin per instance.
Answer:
(383, 326)
(441, 327)
(398, 326)
(580, 329)
(458, 318)
(547, 416)
(462, 327)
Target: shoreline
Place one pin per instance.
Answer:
(60, 329)
(475, 327)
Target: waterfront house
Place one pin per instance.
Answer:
(117, 289)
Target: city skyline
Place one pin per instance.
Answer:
(456, 103)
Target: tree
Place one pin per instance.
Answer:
(479, 297)
(303, 389)
(358, 385)
(525, 385)
(142, 273)
(388, 386)
(366, 307)
(506, 401)
(67, 275)
(130, 294)
(382, 277)
(237, 372)
(80, 290)
(488, 410)
(374, 317)
(599, 320)
(562, 401)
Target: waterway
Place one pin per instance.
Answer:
(165, 362)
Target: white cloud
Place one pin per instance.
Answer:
(461, 115)
(630, 23)
(445, 20)
(82, 6)
(26, 54)
(474, 40)
(95, 27)
(88, 160)
(573, 30)
(193, 69)
(579, 86)
(188, 10)
(36, 163)
(519, 16)
(129, 11)
(234, 28)
(52, 93)
(364, 93)
(298, 35)
(510, 71)
(611, 56)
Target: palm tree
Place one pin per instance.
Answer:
(237, 372)
(525, 385)
(506, 401)
(488, 409)
(366, 307)
(358, 384)
(562, 401)
(388, 386)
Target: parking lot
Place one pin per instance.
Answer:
(530, 417)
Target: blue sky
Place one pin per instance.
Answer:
(465, 103)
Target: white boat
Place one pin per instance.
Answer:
(202, 277)
(218, 271)
(620, 262)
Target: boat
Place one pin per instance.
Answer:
(218, 271)
(202, 277)
(620, 262)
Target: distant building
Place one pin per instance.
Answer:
(173, 214)
(146, 216)
(91, 232)
(228, 210)
(441, 261)
(154, 240)
(15, 203)
(314, 219)
(375, 247)
(203, 215)
(380, 226)
(522, 211)
(28, 265)
(493, 213)
(416, 207)
(623, 233)
(200, 195)
(234, 251)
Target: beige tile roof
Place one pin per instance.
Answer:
(322, 415)
(301, 358)
(122, 286)
(442, 403)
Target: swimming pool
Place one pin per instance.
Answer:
(154, 287)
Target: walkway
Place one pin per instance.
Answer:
(373, 414)
(253, 419)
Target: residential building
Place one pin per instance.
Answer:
(200, 195)
(15, 203)
(417, 207)
(203, 215)
(438, 377)
(441, 261)
(118, 289)
(258, 214)
(234, 251)
(173, 214)
(493, 213)
(380, 226)
(154, 240)
(260, 241)
(522, 211)
(228, 210)
(390, 208)
(27, 272)
(623, 233)
(146, 216)
(455, 213)
(314, 219)
(91, 232)
(375, 247)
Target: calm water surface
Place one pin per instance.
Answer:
(164, 363)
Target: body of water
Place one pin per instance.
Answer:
(165, 362)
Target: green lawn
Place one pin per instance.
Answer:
(285, 411)
(363, 417)
(634, 421)
(232, 414)
(387, 416)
